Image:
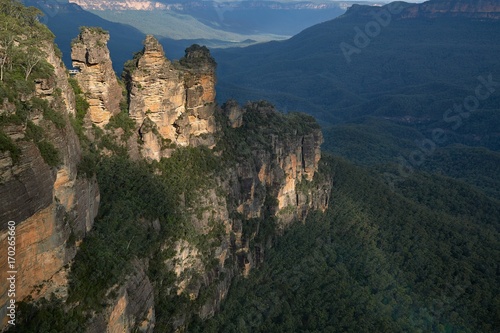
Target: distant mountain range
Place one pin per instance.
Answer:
(241, 17)
(353, 65)
(180, 24)
(65, 19)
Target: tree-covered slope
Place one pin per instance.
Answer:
(377, 261)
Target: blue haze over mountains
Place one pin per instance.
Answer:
(241, 18)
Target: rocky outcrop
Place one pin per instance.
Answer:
(282, 164)
(172, 103)
(273, 179)
(96, 77)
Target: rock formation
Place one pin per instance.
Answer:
(132, 309)
(172, 103)
(289, 161)
(90, 55)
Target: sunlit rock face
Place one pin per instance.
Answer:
(172, 103)
(90, 54)
(278, 168)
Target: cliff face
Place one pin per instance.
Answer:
(96, 76)
(173, 104)
(278, 166)
(132, 309)
(52, 208)
(272, 178)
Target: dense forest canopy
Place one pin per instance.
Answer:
(421, 259)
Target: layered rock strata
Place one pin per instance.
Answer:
(52, 208)
(172, 103)
(95, 74)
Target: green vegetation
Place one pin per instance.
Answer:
(48, 316)
(420, 256)
(21, 61)
(94, 30)
(195, 56)
(6, 144)
(477, 166)
(123, 121)
(130, 193)
(75, 86)
(49, 153)
(82, 107)
(407, 70)
(133, 195)
(37, 135)
(130, 66)
(261, 122)
(20, 55)
(377, 261)
(38, 104)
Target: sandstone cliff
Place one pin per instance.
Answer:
(172, 103)
(271, 177)
(132, 309)
(280, 161)
(52, 208)
(96, 76)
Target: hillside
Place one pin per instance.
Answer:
(179, 25)
(392, 253)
